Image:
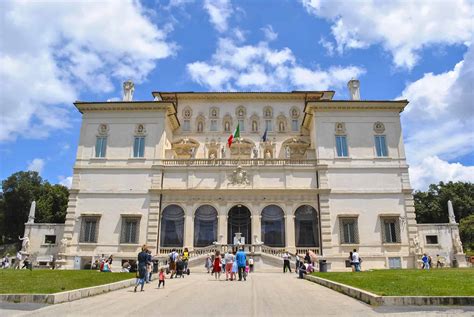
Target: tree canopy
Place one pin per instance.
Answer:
(432, 206)
(19, 191)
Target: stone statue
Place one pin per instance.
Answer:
(227, 126)
(31, 216)
(223, 152)
(268, 154)
(128, 89)
(63, 245)
(416, 244)
(25, 243)
(255, 152)
(452, 218)
(212, 155)
(287, 152)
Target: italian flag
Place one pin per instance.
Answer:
(233, 136)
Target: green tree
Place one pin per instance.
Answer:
(432, 206)
(466, 230)
(19, 191)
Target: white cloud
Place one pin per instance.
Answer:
(439, 124)
(328, 46)
(402, 27)
(36, 165)
(432, 170)
(52, 51)
(219, 13)
(258, 67)
(65, 181)
(270, 35)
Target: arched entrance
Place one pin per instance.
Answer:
(306, 227)
(239, 221)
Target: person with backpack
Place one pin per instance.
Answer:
(141, 273)
(172, 260)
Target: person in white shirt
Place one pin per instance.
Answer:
(251, 265)
(356, 260)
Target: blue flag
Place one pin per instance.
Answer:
(264, 137)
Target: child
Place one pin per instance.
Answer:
(235, 270)
(247, 268)
(161, 278)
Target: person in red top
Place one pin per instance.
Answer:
(217, 265)
(161, 278)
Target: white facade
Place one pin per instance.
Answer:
(294, 191)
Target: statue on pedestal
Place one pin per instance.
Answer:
(128, 89)
(416, 244)
(25, 244)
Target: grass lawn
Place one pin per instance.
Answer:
(49, 281)
(441, 282)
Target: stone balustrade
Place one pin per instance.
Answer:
(235, 162)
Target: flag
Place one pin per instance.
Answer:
(233, 136)
(264, 137)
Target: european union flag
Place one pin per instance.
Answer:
(264, 137)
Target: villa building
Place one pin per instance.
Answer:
(303, 171)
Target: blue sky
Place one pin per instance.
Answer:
(52, 54)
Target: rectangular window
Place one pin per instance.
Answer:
(49, 239)
(213, 125)
(130, 228)
(89, 229)
(341, 146)
(349, 230)
(294, 125)
(100, 146)
(381, 146)
(390, 230)
(186, 125)
(241, 125)
(139, 146)
(268, 125)
(433, 239)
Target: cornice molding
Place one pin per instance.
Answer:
(296, 95)
(124, 106)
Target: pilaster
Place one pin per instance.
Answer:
(290, 233)
(152, 232)
(222, 229)
(256, 229)
(325, 216)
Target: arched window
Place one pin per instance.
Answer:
(172, 227)
(306, 227)
(205, 226)
(273, 226)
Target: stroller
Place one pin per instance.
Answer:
(180, 268)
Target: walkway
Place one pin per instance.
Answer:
(263, 294)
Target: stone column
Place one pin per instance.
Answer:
(256, 229)
(325, 225)
(153, 223)
(222, 228)
(290, 233)
(188, 230)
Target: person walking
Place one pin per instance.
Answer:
(426, 263)
(351, 262)
(241, 259)
(286, 262)
(229, 261)
(356, 260)
(141, 273)
(185, 259)
(149, 266)
(161, 278)
(217, 265)
(297, 262)
(251, 265)
(208, 264)
(172, 260)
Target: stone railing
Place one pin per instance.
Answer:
(167, 251)
(203, 251)
(235, 162)
(273, 251)
(302, 251)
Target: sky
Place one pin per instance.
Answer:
(53, 53)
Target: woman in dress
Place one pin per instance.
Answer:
(217, 265)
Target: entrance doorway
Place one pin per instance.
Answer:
(239, 221)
